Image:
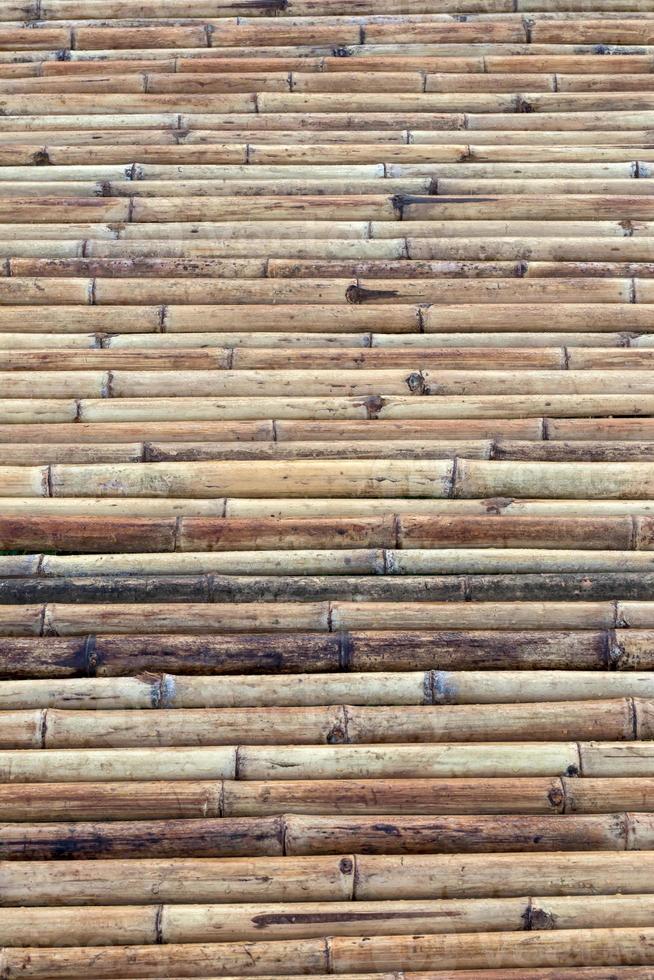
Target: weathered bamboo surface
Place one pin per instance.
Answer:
(327, 489)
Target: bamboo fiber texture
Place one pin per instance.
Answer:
(327, 489)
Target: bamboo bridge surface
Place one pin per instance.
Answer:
(327, 489)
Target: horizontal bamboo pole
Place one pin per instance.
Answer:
(181, 800)
(321, 762)
(295, 836)
(318, 507)
(566, 316)
(220, 319)
(108, 765)
(568, 947)
(37, 454)
(347, 762)
(324, 341)
(86, 925)
(383, 688)
(549, 358)
(346, 478)
(277, 384)
(222, 432)
(170, 691)
(512, 586)
(314, 955)
(289, 564)
(322, 878)
(394, 796)
(223, 837)
(330, 431)
(115, 655)
(195, 587)
(137, 508)
(52, 728)
(61, 619)
(534, 480)
(195, 880)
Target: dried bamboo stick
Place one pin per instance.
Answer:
(426, 534)
(370, 588)
(108, 765)
(564, 316)
(211, 923)
(226, 923)
(322, 434)
(286, 507)
(321, 762)
(196, 880)
(53, 728)
(254, 837)
(330, 562)
(494, 949)
(346, 478)
(181, 800)
(224, 837)
(321, 878)
(170, 691)
(74, 620)
(232, 653)
(384, 688)
(177, 800)
(35, 454)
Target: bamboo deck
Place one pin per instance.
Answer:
(327, 489)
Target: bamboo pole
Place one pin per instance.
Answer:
(228, 923)
(54, 728)
(196, 880)
(191, 798)
(61, 619)
(374, 650)
(317, 761)
(426, 563)
(319, 878)
(520, 586)
(295, 836)
(383, 688)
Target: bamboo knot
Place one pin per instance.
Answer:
(416, 383)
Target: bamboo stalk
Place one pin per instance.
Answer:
(179, 800)
(405, 761)
(319, 878)
(227, 923)
(253, 837)
(224, 837)
(52, 728)
(313, 955)
(316, 761)
(237, 922)
(70, 619)
(426, 563)
(170, 691)
(346, 478)
(564, 586)
(378, 650)
(195, 880)
(385, 688)
(285, 507)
